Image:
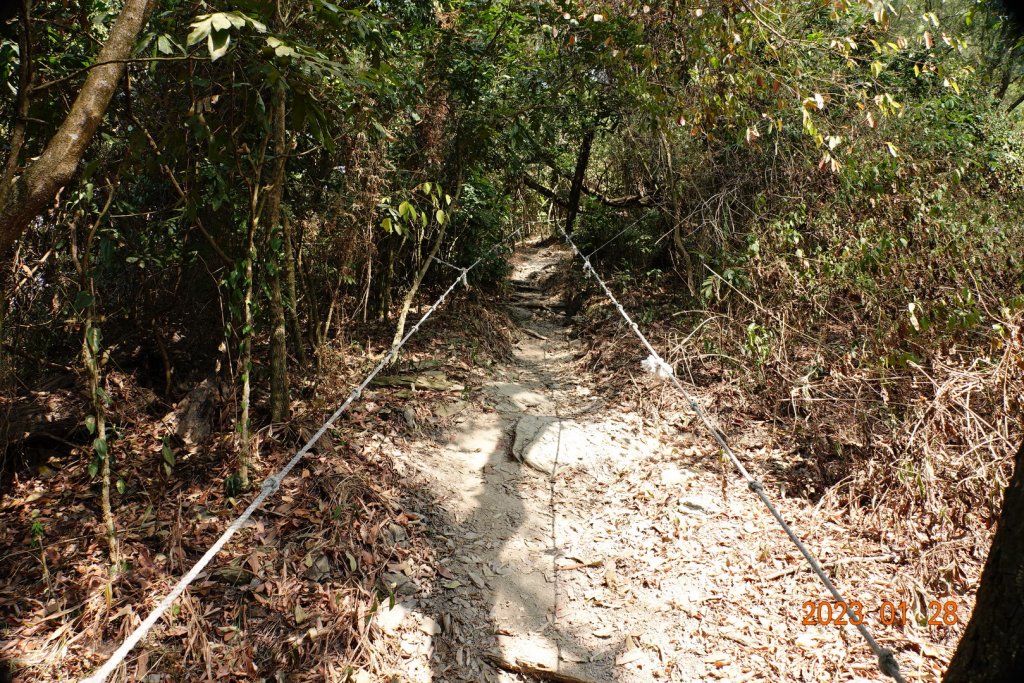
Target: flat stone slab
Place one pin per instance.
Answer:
(546, 443)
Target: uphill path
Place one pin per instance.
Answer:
(576, 540)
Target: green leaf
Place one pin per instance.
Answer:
(200, 29)
(426, 188)
(168, 454)
(100, 446)
(404, 208)
(440, 216)
(164, 46)
(386, 224)
(258, 26)
(237, 19)
(220, 21)
(94, 467)
(90, 424)
(121, 486)
(218, 43)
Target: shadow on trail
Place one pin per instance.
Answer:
(500, 600)
(515, 599)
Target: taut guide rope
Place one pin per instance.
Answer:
(654, 363)
(270, 486)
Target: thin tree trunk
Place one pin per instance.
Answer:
(28, 195)
(93, 360)
(992, 647)
(316, 328)
(292, 304)
(677, 236)
(582, 161)
(330, 311)
(21, 108)
(256, 207)
(383, 300)
(415, 286)
(278, 334)
(245, 359)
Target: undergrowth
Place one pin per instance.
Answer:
(873, 315)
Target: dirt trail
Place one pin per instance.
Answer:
(571, 538)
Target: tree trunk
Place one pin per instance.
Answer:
(415, 286)
(278, 333)
(382, 300)
(245, 359)
(93, 360)
(292, 304)
(992, 648)
(582, 161)
(25, 197)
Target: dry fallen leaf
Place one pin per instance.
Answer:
(718, 659)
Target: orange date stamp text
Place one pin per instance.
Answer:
(824, 612)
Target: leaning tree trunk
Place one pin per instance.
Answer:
(26, 196)
(411, 294)
(992, 648)
(582, 161)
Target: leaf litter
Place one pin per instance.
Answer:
(393, 557)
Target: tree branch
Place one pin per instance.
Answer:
(544, 191)
(29, 195)
(627, 202)
(134, 60)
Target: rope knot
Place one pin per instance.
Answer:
(271, 484)
(887, 664)
(657, 367)
(356, 393)
(756, 486)
(462, 278)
